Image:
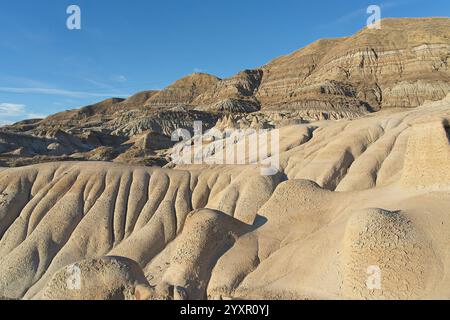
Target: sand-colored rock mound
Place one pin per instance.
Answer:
(346, 155)
(53, 215)
(184, 91)
(328, 244)
(206, 235)
(267, 263)
(227, 231)
(108, 278)
(427, 160)
(391, 246)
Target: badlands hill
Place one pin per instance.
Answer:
(402, 65)
(350, 195)
(362, 188)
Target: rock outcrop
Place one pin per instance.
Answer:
(120, 279)
(355, 205)
(349, 202)
(402, 65)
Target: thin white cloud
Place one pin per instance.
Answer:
(11, 112)
(120, 78)
(59, 92)
(11, 109)
(97, 83)
(5, 123)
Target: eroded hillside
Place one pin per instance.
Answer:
(350, 194)
(402, 65)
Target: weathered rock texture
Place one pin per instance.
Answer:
(108, 278)
(402, 65)
(354, 192)
(226, 231)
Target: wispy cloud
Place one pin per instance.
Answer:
(59, 92)
(120, 78)
(10, 112)
(11, 109)
(5, 123)
(97, 83)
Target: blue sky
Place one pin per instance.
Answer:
(128, 46)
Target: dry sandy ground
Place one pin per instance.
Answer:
(351, 195)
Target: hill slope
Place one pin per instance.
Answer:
(350, 195)
(402, 65)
